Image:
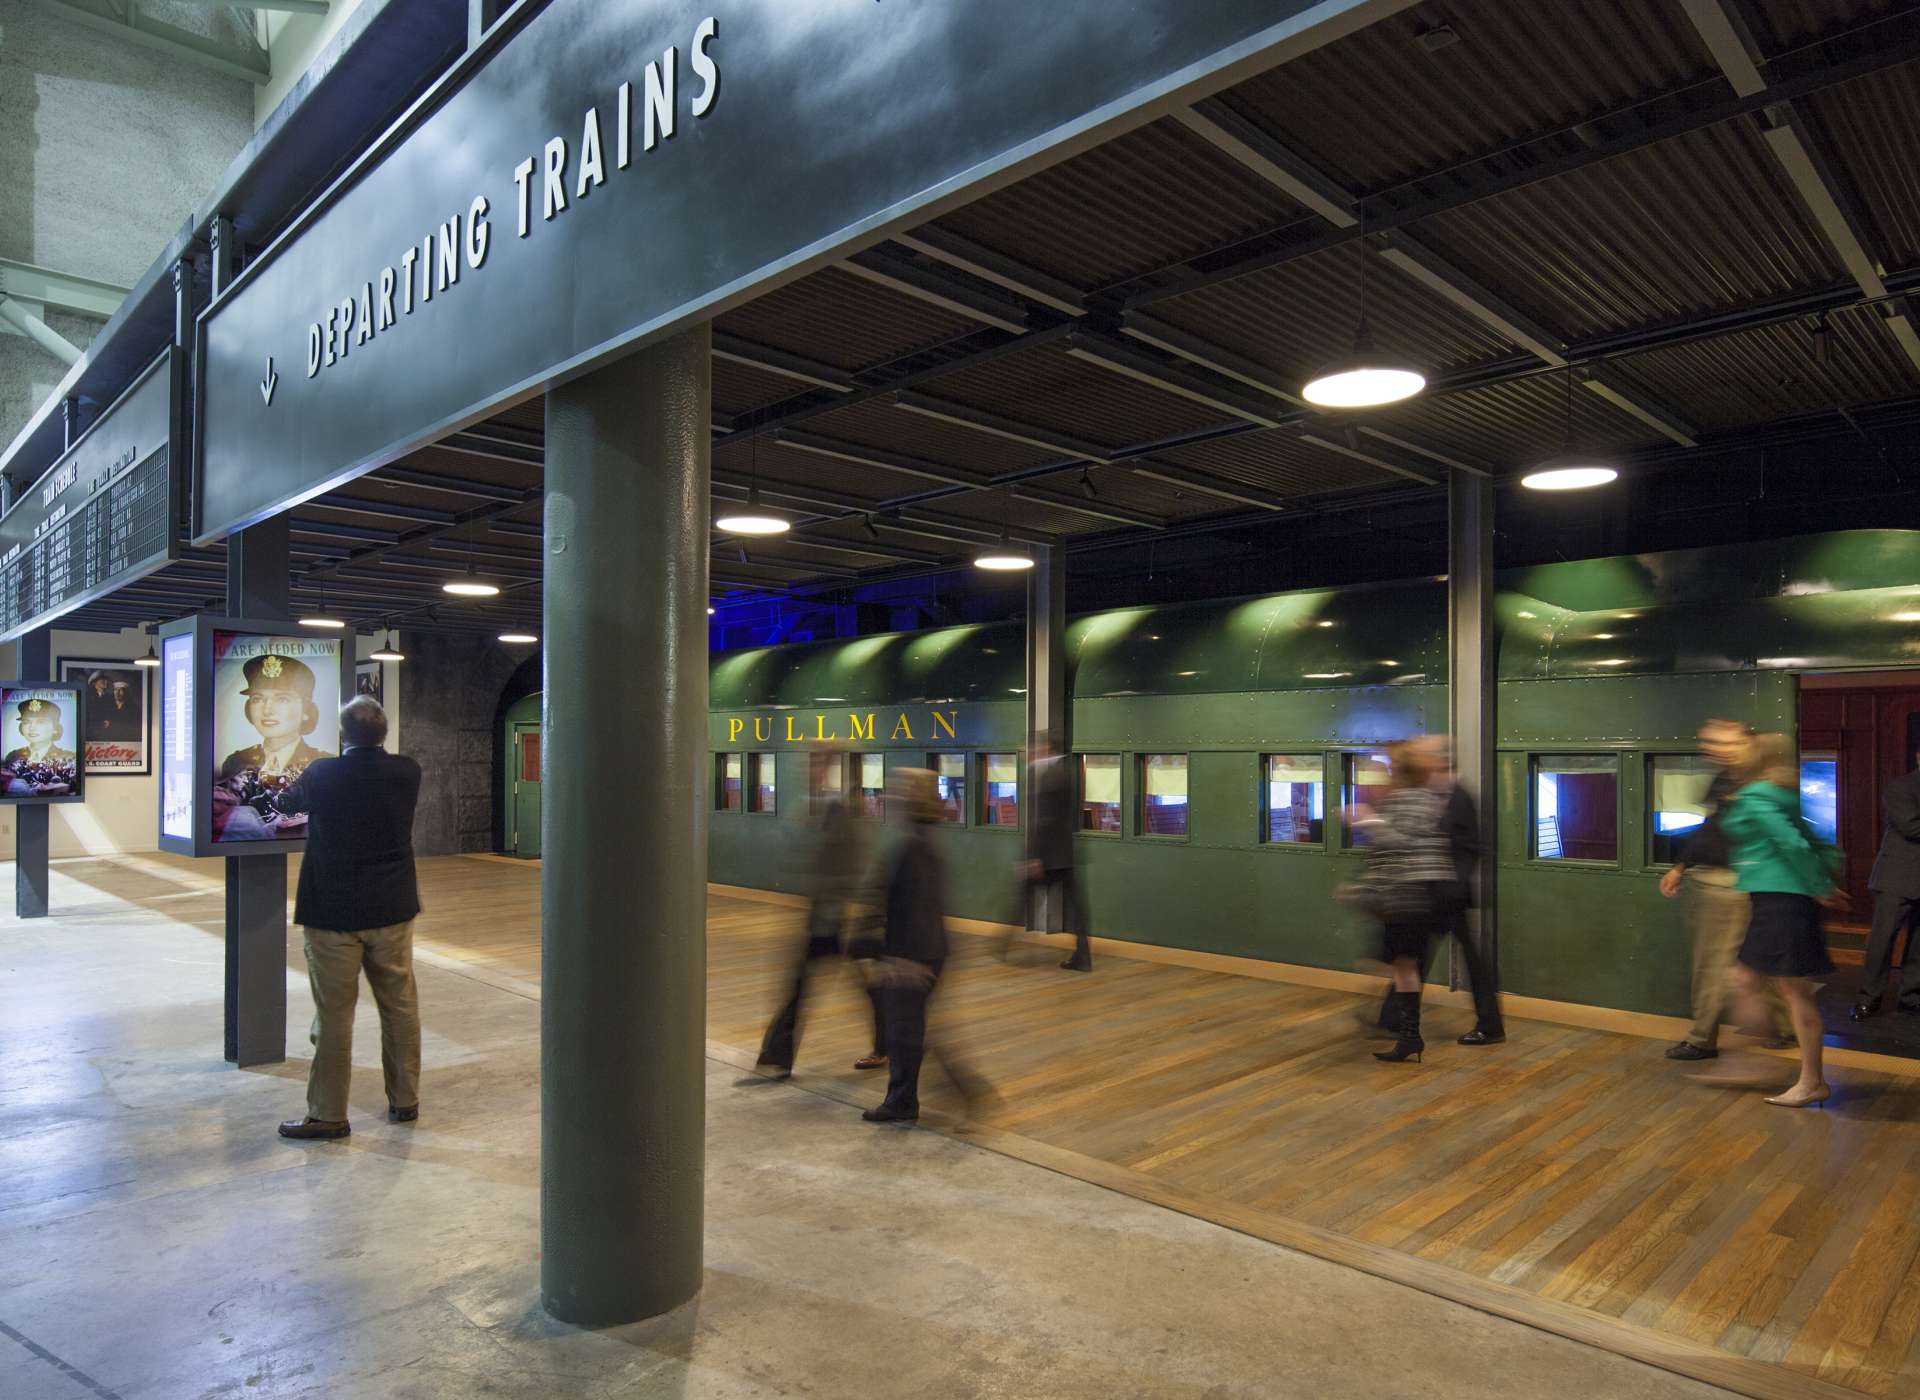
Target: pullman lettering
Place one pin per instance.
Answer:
(568, 174)
(825, 728)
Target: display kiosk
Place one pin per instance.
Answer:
(42, 734)
(245, 706)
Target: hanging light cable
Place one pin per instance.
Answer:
(1006, 556)
(1369, 377)
(386, 651)
(1568, 470)
(751, 519)
(323, 619)
(149, 659)
(470, 584)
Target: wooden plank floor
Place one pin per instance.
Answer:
(1572, 1178)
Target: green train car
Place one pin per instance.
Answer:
(1218, 742)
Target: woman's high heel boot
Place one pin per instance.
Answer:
(1409, 1045)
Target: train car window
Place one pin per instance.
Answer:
(1677, 786)
(870, 784)
(760, 796)
(1294, 798)
(1820, 795)
(1163, 794)
(1100, 793)
(1576, 806)
(950, 782)
(1000, 785)
(727, 794)
(1365, 784)
(827, 777)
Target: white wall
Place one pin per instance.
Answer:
(123, 813)
(293, 41)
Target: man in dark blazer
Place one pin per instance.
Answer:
(1049, 864)
(356, 904)
(1896, 899)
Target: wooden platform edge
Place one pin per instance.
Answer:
(1560, 1013)
(1758, 1379)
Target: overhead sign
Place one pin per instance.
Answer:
(606, 174)
(100, 518)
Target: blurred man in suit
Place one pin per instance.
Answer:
(1049, 865)
(1896, 899)
(356, 904)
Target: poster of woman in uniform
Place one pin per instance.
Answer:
(275, 709)
(38, 726)
(116, 715)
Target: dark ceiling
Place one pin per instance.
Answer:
(1670, 229)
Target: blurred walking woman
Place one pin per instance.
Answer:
(1408, 885)
(1788, 871)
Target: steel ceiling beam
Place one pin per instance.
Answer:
(1291, 242)
(1129, 363)
(1295, 176)
(127, 21)
(1042, 288)
(948, 293)
(981, 420)
(781, 362)
(1730, 39)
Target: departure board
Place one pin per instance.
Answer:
(102, 516)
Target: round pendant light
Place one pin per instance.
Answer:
(149, 659)
(1568, 470)
(470, 585)
(518, 638)
(751, 519)
(1369, 377)
(1572, 472)
(386, 651)
(1003, 558)
(323, 620)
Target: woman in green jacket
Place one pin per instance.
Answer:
(1788, 872)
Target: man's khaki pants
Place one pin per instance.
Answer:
(1720, 914)
(334, 962)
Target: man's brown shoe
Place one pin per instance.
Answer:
(402, 1115)
(873, 1061)
(318, 1128)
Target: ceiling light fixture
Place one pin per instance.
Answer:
(1568, 470)
(470, 584)
(518, 638)
(1006, 556)
(751, 519)
(1368, 378)
(386, 651)
(149, 659)
(323, 619)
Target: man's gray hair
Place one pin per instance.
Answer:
(363, 723)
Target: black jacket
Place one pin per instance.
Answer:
(1707, 847)
(916, 899)
(1897, 869)
(1052, 814)
(358, 872)
(1462, 823)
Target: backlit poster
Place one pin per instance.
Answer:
(176, 736)
(39, 743)
(276, 703)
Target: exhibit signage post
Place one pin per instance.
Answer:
(623, 909)
(31, 822)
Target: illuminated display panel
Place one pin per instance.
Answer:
(40, 743)
(176, 737)
(276, 708)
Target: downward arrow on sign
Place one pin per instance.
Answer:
(269, 384)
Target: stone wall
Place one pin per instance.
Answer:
(106, 148)
(450, 692)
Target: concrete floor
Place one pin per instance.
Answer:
(158, 1240)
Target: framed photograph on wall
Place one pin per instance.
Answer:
(38, 725)
(119, 705)
(367, 680)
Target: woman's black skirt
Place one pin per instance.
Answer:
(1408, 932)
(1784, 938)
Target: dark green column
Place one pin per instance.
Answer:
(624, 828)
(1473, 674)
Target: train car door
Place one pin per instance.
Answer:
(523, 801)
(1858, 733)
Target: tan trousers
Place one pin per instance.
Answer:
(334, 963)
(1720, 914)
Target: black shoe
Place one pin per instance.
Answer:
(1078, 964)
(769, 1069)
(1408, 1045)
(314, 1129)
(1863, 1011)
(1476, 1036)
(883, 1114)
(402, 1115)
(1687, 1050)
